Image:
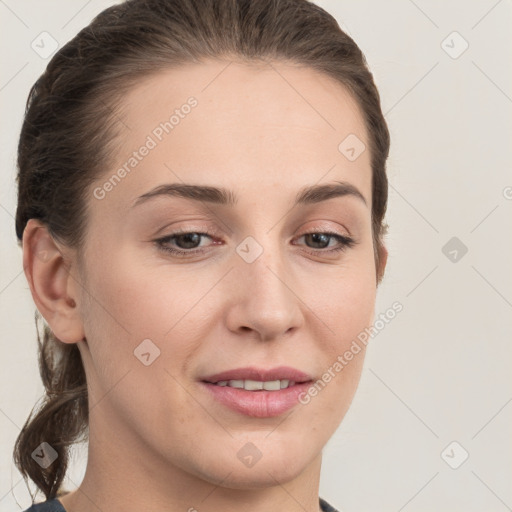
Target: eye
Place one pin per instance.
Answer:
(188, 242)
(323, 239)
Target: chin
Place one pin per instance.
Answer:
(253, 478)
(279, 466)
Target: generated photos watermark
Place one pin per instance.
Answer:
(156, 136)
(355, 348)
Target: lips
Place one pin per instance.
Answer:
(256, 404)
(259, 374)
(258, 392)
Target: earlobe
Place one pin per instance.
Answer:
(52, 286)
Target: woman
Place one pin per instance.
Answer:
(202, 190)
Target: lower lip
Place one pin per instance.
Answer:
(258, 404)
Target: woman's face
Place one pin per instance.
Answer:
(258, 290)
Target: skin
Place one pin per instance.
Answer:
(157, 440)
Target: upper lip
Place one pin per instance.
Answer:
(260, 374)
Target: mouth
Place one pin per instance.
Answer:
(253, 379)
(256, 385)
(257, 392)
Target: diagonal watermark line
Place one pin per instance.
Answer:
(492, 81)
(204, 203)
(407, 502)
(424, 14)
(198, 300)
(118, 381)
(404, 403)
(501, 409)
(491, 490)
(80, 490)
(113, 113)
(300, 300)
(493, 287)
(286, 213)
(99, 303)
(286, 491)
(216, 487)
(270, 64)
(415, 209)
(424, 279)
(11, 281)
(13, 77)
(199, 403)
(413, 87)
(76, 14)
(11, 490)
(492, 211)
(281, 422)
(12, 421)
(12, 12)
(3, 207)
(498, 2)
(217, 75)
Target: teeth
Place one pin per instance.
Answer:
(255, 385)
(271, 385)
(252, 385)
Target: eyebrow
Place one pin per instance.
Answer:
(222, 196)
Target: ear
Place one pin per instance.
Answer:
(383, 259)
(53, 288)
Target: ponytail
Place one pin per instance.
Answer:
(60, 419)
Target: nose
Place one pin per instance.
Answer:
(266, 300)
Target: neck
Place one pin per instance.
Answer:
(124, 476)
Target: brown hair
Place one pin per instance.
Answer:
(70, 125)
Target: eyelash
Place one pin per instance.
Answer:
(162, 243)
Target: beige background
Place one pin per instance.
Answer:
(440, 371)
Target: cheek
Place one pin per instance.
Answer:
(346, 306)
(127, 293)
(345, 299)
(351, 307)
(134, 301)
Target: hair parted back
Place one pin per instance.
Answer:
(67, 141)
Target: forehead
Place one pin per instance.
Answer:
(260, 129)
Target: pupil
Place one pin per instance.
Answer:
(188, 236)
(322, 236)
